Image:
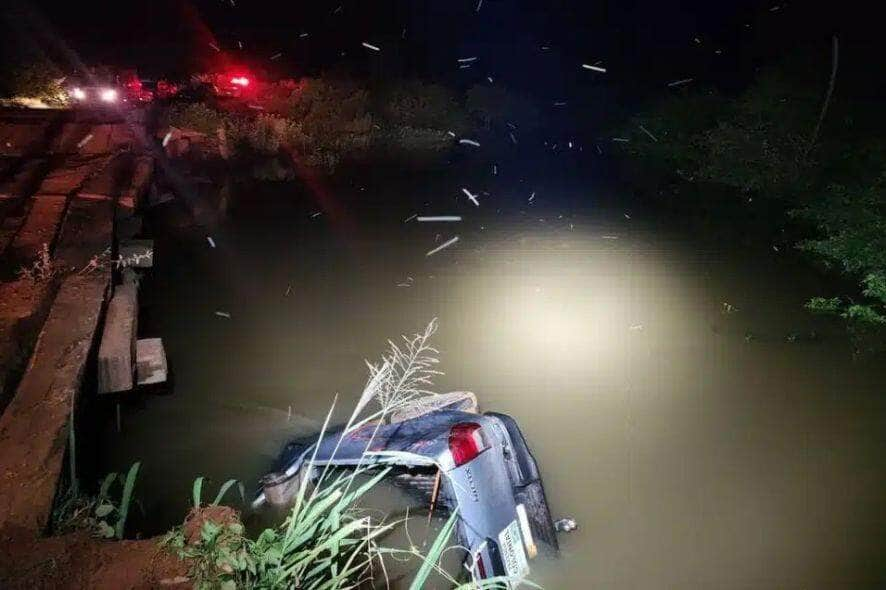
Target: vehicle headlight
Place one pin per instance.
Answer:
(108, 95)
(78, 93)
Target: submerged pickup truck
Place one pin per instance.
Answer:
(488, 474)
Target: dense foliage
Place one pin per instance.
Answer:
(760, 146)
(324, 121)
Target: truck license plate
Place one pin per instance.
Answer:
(514, 557)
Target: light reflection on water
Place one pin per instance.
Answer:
(690, 457)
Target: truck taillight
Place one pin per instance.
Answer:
(466, 442)
(481, 567)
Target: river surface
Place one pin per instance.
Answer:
(697, 444)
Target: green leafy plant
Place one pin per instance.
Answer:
(104, 515)
(851, 223)
(323, 542)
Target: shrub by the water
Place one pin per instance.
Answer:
(762, 146)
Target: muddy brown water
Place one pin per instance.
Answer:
(695, 448)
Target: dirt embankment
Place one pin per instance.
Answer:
(79, 561)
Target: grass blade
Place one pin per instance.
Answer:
(223, 490)
(433, 556)
(198, 491)
(126, 499)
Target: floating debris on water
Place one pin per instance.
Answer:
(513, 139)
(464, 60)
(370, 46)
(728, 308)
(609, 237)
(532, 197)
(214, 46)
(317, 214)
(636, 328)
(288, 290)
(471, 196)
(681, 82)
(442, 246)
(211, 241)
(410, 218)
(166, 138)
(85, 140)
(565, 525)
(441, 218)
(594, 68)
(276, 56)
(469, 142)
(223, 314)
(646, 131)
(621, 140)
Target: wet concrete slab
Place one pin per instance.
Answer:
(107, 138)
(23, 138)
(111, 180)
(11, 220)
(44, 401)
(39, 228)
(69, 137)
(151, 361)
(23, 179)
(116, 353)
(71, 174)
(87, 233)
(23, 308)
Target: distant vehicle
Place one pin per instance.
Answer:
(94, 94)
(490, 476)
(106, 89)
(234, 83)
